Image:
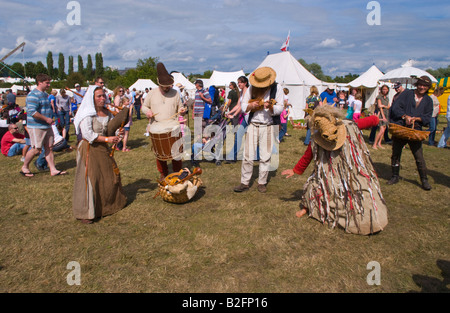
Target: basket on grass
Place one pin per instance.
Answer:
(183, 195)
(408, 133)
(180, 187)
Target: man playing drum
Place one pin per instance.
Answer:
(161, 106)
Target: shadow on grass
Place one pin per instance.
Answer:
(384, 172)
(200, 193)
(139, 186)
(296, 196)
(433, 284)
(136, 143)
(66, 165)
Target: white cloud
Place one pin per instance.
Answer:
(57, 28)
(133, 55)
(43, 46)
(108, 42)
(329, 43)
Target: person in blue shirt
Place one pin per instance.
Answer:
(330, 95)
(39, 126)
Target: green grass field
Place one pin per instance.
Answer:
(221, 241)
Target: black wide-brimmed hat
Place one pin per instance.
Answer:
(424, 80)
(164, 78)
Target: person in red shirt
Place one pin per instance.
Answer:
(343, 188)
(13, 142)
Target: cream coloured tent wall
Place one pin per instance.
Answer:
(292, 75)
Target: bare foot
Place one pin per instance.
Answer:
(301, 213)
(374, 147)
(381, 147)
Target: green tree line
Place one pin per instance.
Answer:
(84, 74)
(145, 69)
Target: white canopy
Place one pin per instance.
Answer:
(224, 78)
(141, 84)
(369, 79)
(405, 74)
(292, 75)
(179, 78)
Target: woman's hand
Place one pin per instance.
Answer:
(113, 139)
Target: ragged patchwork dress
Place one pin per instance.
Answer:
(344, 189)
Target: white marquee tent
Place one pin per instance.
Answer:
(292, 75)
(369, 79)
(206, 82)
(224, 78)
(188, 86)
(369, 83)
(141, 84)
(179, 78)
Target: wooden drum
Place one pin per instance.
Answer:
(164, 135)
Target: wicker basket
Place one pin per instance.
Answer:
(180, 197)
(407, 133)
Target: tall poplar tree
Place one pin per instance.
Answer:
(89, 68)
(61, 67)
(99, 64)
(80, 65)
(70, 69)
(50, 64)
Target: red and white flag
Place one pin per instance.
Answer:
(285, 46)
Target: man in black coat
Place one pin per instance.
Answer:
(412, 107)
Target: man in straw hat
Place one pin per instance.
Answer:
(343, 189)
(264, 101)
(412, 108)
(161, 105)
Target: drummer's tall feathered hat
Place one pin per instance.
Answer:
(164, 78)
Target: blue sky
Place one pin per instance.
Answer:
(229, 35)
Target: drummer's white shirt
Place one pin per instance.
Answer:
(164, 106)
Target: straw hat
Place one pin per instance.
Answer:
(164, 78)
(263, 77)
(327, 127)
